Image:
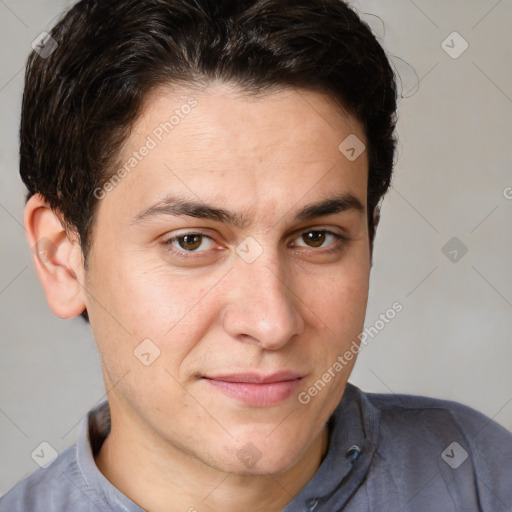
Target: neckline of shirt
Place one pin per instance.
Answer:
(353, 436)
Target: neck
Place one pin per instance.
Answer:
(162, 478)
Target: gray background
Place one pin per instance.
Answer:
(452, 339)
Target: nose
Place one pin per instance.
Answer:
(262, 305)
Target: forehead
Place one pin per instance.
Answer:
(255, 152)
(270, 120)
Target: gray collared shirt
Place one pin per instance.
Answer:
(386, 453)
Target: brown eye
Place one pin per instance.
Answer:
(314, 238)
(190, 242)
(318, 238)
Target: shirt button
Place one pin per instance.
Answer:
(353, 453)
(312, 503)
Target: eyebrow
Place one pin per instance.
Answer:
(178, 206)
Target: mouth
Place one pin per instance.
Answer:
(256, 390)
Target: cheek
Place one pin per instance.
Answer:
(339, 297)
(154, 321)
(144, 300)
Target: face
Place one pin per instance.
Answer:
(214, 322)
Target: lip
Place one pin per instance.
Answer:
(254, 389)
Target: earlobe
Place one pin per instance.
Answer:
(57, 258)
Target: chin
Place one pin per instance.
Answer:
(259, 468)
(259, 457)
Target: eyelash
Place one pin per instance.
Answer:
(186, 254)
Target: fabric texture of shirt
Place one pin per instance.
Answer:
(386, 453)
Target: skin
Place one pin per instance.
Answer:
(175, 439)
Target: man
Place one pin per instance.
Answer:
(204, 181)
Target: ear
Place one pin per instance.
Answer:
(376, 219)
(57, 258)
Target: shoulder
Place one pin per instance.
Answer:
(422, 437)
(58, 487)
(402, 410)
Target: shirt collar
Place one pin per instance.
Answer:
(354, 430)
(92, 431)
(353, 436)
